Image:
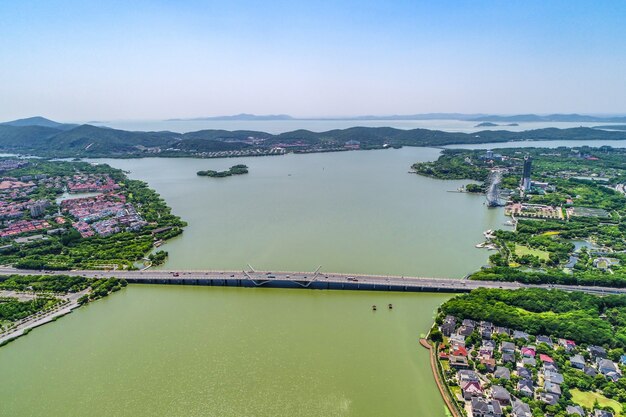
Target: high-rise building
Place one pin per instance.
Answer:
(525, 183)
(38, 208)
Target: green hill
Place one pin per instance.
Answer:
(39, 121)
(94, 141)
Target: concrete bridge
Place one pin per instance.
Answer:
(311, 280)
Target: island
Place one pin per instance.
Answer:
(239, 169)
(491, 124)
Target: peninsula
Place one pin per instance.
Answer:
(567, 206)
(50, 222)
(530, 352)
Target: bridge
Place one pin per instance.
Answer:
(311, 280)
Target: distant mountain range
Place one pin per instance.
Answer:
(42, 137)
(39, 121)
(573, 118)
(241, 116)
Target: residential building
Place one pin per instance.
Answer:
(520, 409)
(500, 394)
(507, 347)
(471, 389)
(502, 373)
(526, 388)
(575, 410)
(597, 352)
(483, 408)
(577, 361)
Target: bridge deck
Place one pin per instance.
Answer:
(316, 280)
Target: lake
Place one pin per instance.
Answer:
(238, 352)
(227, 352)
(281, 126)
(352, 212)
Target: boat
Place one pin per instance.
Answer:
(390, 306)
(374, 307)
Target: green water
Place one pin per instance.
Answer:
(227, 352)
(200, 351)
(353, 212)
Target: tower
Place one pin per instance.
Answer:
(525, 182)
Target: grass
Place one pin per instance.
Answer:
(456, 392)
(553, 233)
(521, 250)
(588, 398)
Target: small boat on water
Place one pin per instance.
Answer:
(390, 306)
(374, 307)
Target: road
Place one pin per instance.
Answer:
(316, 279)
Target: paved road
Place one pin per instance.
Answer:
(307, 279)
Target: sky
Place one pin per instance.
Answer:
(145, 60)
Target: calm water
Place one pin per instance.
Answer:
(347, 211)
(281, 126)
(542, 144)
(202, 351)
(227, 352)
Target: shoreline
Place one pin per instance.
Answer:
(472, 145)
(432, 352)
(32, 323)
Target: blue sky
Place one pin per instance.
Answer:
(85, 60)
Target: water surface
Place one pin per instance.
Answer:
(227, 352)
(352, 212)
(281, 126)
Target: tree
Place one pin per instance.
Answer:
(436, 335)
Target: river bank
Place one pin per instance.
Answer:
(26, 325)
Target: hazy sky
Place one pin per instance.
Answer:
(83, 60)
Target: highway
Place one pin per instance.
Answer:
(313, 280)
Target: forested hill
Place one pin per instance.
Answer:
(50, 139)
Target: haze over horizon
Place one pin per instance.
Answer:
(79, 61)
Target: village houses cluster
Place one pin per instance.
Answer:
(492, 373)
(104, 214)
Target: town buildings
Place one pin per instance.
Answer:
(515, 369)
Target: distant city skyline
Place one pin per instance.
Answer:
(72, 60)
